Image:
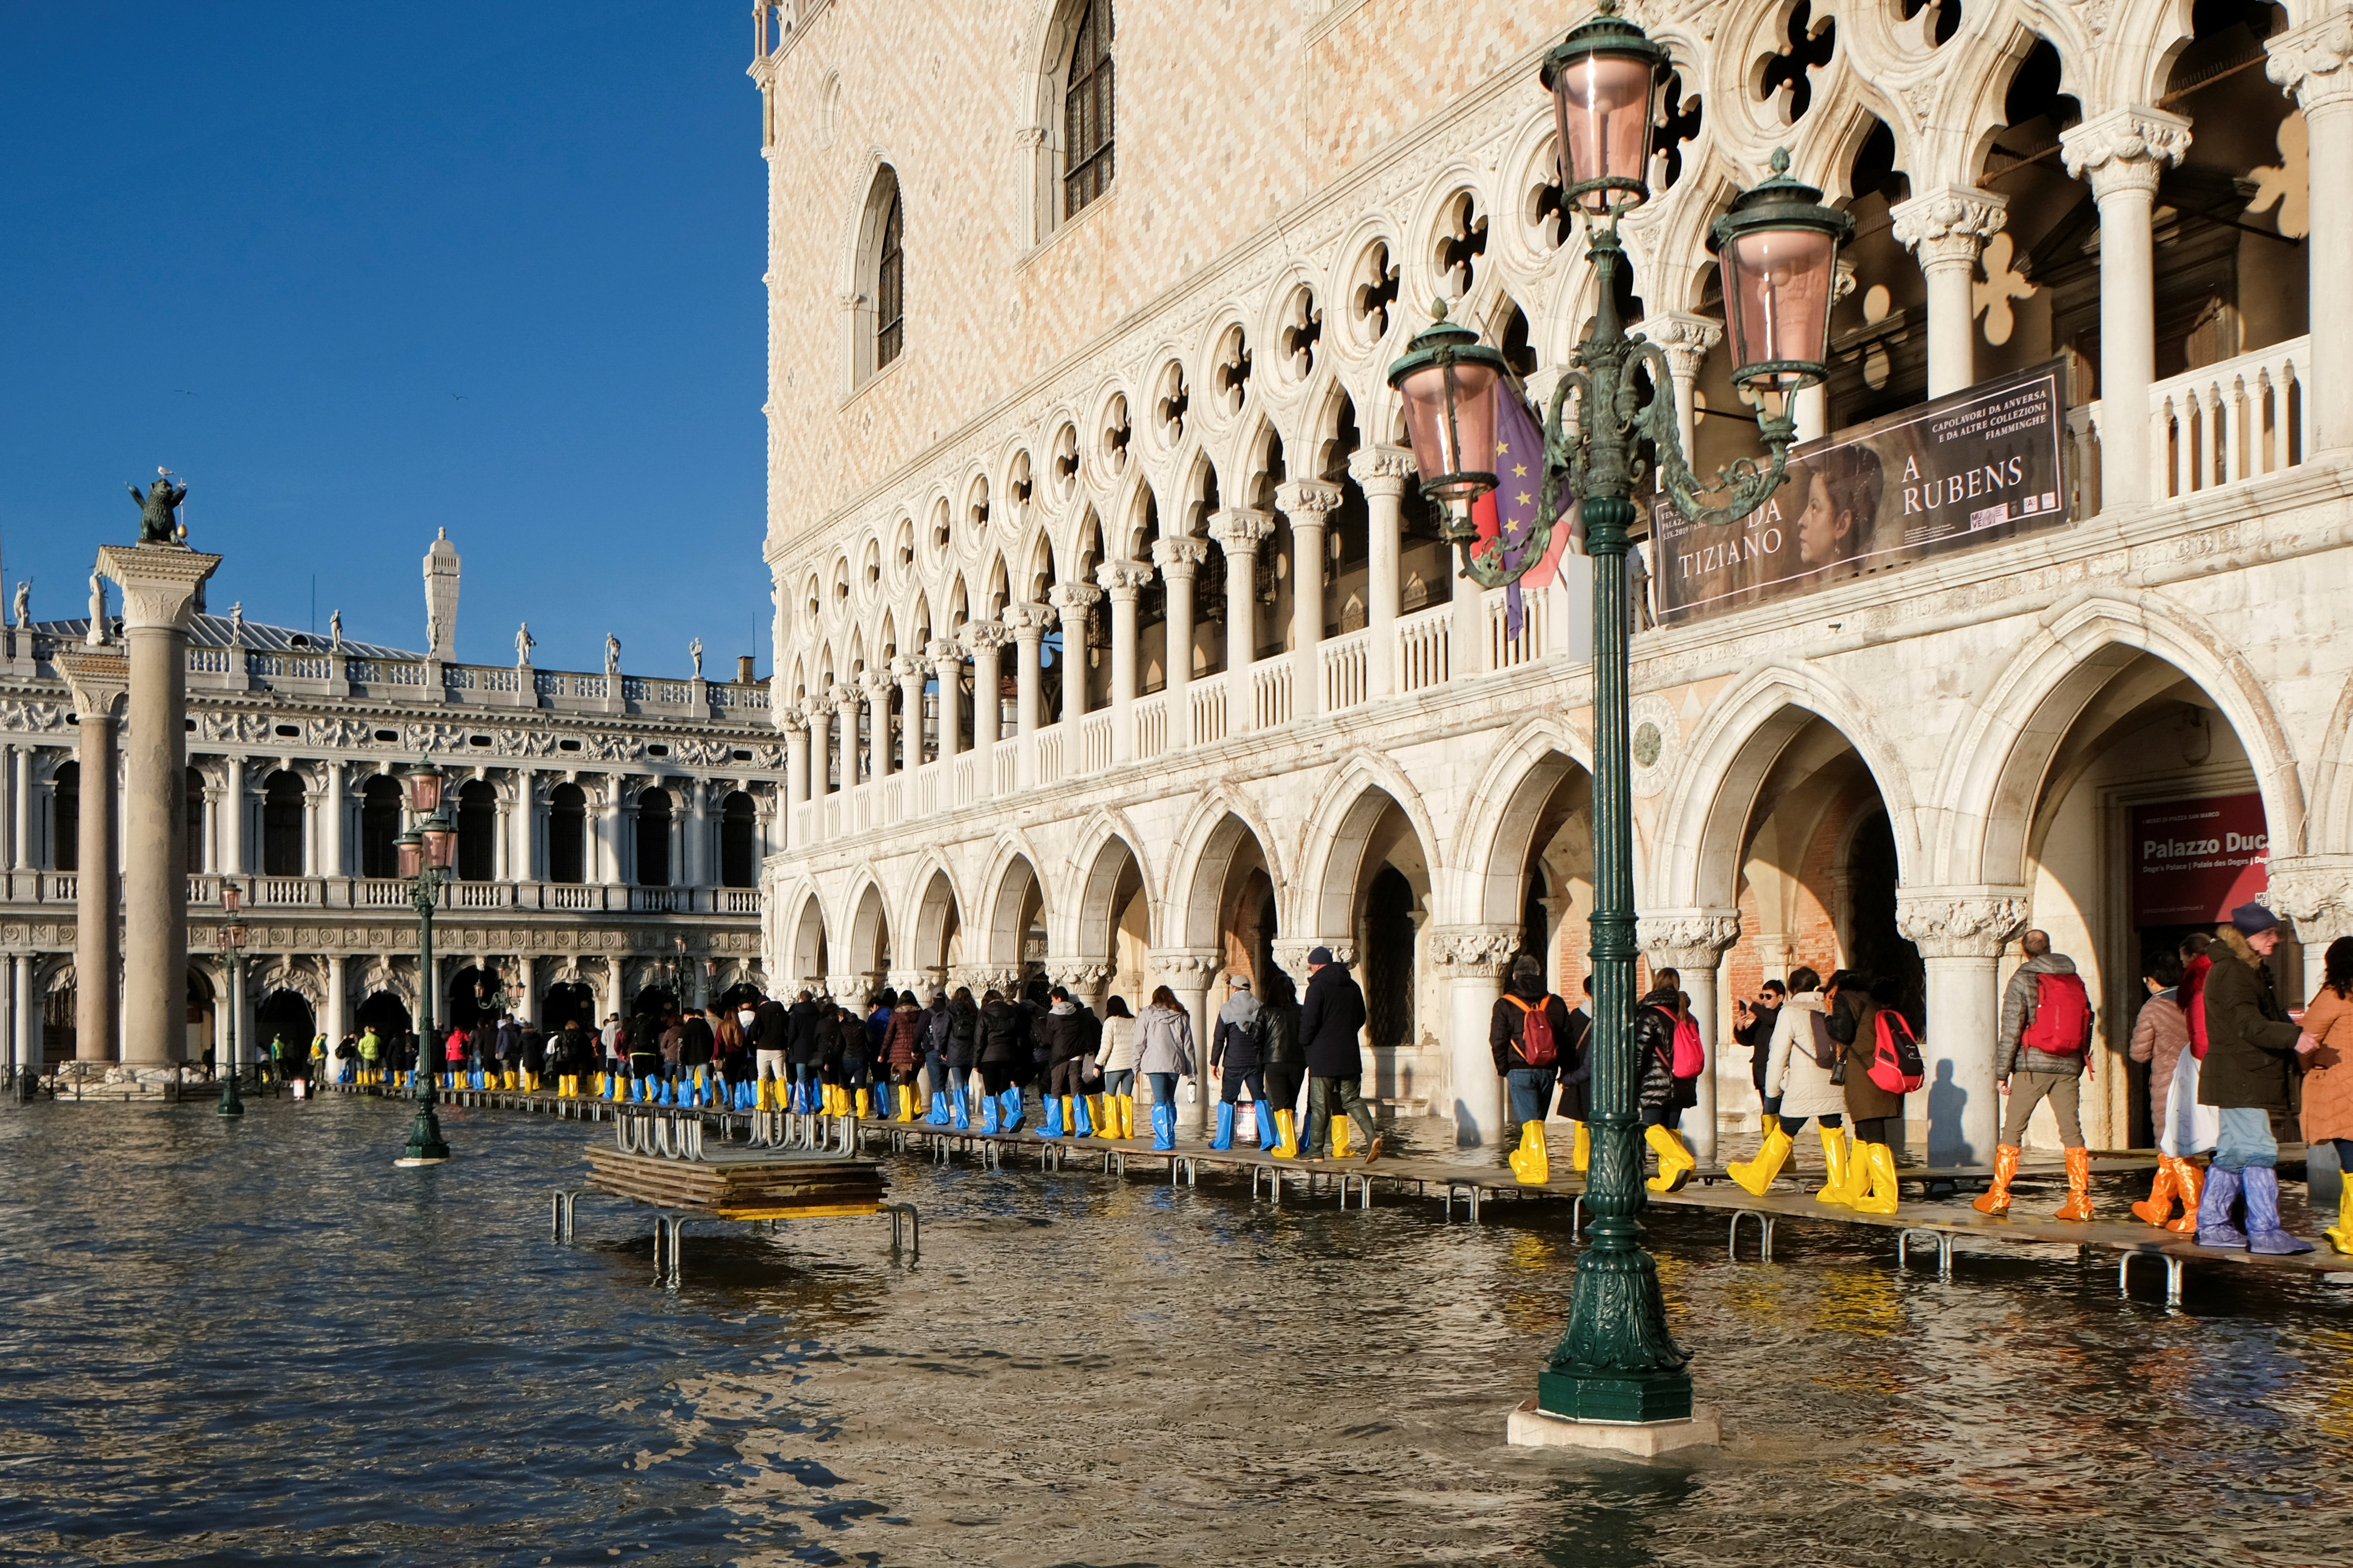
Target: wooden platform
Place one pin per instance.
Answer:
(741, 1184)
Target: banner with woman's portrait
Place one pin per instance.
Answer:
(1978, 466)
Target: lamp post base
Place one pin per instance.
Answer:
(1531, 1427)
(1630, 1397)
(425, 1144)
(230, 1105)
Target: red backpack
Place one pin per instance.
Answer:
(1537, 1048)
(1690, 1057)
(1896, 1065)
(2062, 1016)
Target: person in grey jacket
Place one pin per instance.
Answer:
(1163, 1055)
(2030, 1076)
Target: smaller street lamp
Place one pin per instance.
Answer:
(426, 850)
(232, 945)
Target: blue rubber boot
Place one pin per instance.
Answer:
(2214, 1207)
(962, 1112)
(990, 1106)
(2264, 1235)
(938, 1114)
(1164, 1126)
(1012, 1103)
(1082, 1124)
(1225, 1138)
(1054, 1127)
(1264, 1112)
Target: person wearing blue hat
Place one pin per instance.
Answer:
(2249, 1041)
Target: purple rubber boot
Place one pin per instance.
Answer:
(2263, 1233)
(2222, 1196)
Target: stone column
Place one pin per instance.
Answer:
(1190, 973)
(1073, 602)
(946, 657)
(159, 584)
(1239, 532)
(1382, 473)
(912, 674)
(339, 1006)
(97, 680)
(20, 800)
(1122, 580)
(1945, 228)
(522, 858)
(1179, 559)
(986, 641)
(1309, 505)
(1686, 340)
(2121, 152)
(819, 747)
(608, 833)
(331, 821)
(2310, 62)
(24, 971)
(1960, 932)
(1029, 623)
(1473, 961)
(1692, 942)
(232, 817)
(877, 687)
(695, 858)
(844, 697)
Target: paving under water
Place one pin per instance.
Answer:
(260, 1342)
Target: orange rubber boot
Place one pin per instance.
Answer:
(1996, 1197)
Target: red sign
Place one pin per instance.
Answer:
(2196, 861)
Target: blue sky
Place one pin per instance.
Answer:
(356, 273)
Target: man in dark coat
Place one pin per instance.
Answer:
(2249, 1043)
(1331, 1016)
(771, 1035)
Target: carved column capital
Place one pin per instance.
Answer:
(1029, 622)
(2310, 61)
(1077, 973)
(985, 637)
(96, 679)
(1240, 531)
(1475, 951)
(943, 653)
(1122, 579)
(159, 582)
(1960, 922)
(1076, 596)
(1187, 967)
(1948, 226)
(1307, 502)
(2125, 148)
(1685, 340)
(1381, 470)
(2315, 892)
(1690, 940)
(1291, 953)
(1179, 557)
(907, 667)
(842, 694)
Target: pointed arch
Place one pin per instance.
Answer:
(1497, 831)
(1206, 846)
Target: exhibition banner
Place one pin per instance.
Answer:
(2194, 861)
(1979, 466)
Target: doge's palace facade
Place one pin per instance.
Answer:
(1113, 643)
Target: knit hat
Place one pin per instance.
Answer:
(2252, 919)
(1319, 955)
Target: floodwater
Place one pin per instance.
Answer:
(260, 1342)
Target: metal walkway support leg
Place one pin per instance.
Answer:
(1764, 1234)
(2172, 1274)
(1942, 1240)
(1469, 1192)
(906, 1229)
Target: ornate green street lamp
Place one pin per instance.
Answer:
(426, 849)
(232, 946)
(1778, 247)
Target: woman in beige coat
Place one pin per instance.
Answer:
(1795, 1080)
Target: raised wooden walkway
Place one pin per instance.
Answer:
(1917, 1227)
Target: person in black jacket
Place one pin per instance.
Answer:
(857, 1070)
(1286, 1065)
(1527, 1085)
(808, 1022)
(1004, 1040)
(1060, 1033)
(1575, 1106)
(1755, 1030)
(1330, 1019)
(1656, 1018)
(1236, 1063)
(963, 1054)
(694, 1050)
(771, 1032)
(936, 1019)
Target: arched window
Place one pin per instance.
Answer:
(567, 824)
(653, 839)
(65, 818)
(881, 326)
(739, 839)
(192, 816)
(890, 283)
(1087, 109)
(379, 826)
(281, 824)
(477, 832)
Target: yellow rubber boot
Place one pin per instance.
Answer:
(1857, 1174)
(1838, 1154)
(1756, 1176)
(1580, 1157)
(1341, 1128)
(865, 1103)
(1878, 1168)
(1532, 1162)
(906, 1102)
(1127, 1116)
(2340, 1236)
(1675, 1162)
(1095, 1114)
(1286, 1134)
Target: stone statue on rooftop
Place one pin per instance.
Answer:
(335, 632)
(524, 643)
(612, 654)
(157, 523)
(97, 636)
(237, 623)
(23, 603)
(694, 652)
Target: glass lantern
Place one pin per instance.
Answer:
(424, 782)
(1448, 382)
(1778, 250)
(1603, 78)
(410, 848)
(440, 844)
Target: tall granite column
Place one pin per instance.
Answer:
(1692, 942)
(96, 679)
(159, 584)
(1960, 932)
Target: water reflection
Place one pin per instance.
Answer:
(261, 1343)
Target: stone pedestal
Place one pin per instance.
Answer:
(98, 677)
(159, 584)
(1530, 1428)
